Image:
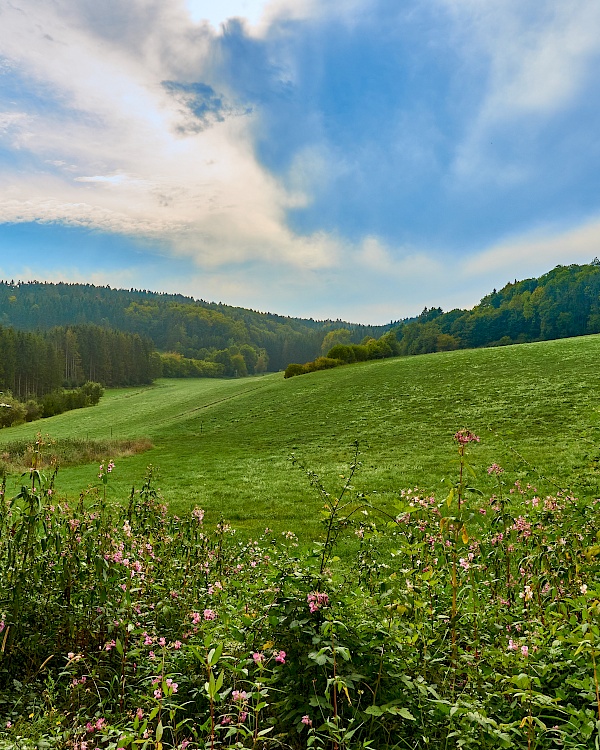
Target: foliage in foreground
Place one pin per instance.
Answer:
(459, 622)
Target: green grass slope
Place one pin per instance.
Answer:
(225, 444)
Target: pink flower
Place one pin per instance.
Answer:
(280, 657)
(162, 642)
(196, 617)
(307, 721)
(139, 714)
(209, 614)
(512, 646)
(258, 657)
(316, 600)
(109, 644)
(465, 436)
(172, 685)
(495, 469)
(243, 716)
(525, 650)
(158, 694)
(226, 720)
(239, 695)
(177, 645)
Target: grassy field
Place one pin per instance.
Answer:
(225, 444)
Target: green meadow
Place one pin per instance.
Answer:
(226, 444)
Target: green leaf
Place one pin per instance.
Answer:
(406, 714)
(215, 654)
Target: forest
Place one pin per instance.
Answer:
(562, 303)
(193, 329)
(33, 364)
(54, 335)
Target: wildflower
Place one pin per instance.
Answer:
(512, 646)
(243, 716)
(495, 469)
(316, 600)
(139, 714)
(152, 655)
(306, 720)
(583, 588)
(464, 563)
(158, 694)
(527, 594)
(177, 645)
(147, 640)
(196, 617)
(209, 614)
(239, 695)
(226, 720)
(280, 657)
(162, 642)
(172, 685)
(465, 436)
(198, 514)
(525, 650)
(258, 657)
(109, 644)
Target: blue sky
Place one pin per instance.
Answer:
(354, 159)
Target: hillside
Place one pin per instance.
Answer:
(225, 444)
(174, 323)
(563, 302)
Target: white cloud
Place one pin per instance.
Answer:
(537, 58)
(536, 253)
(205, 195)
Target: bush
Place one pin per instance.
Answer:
(293, 370)
(12, 411)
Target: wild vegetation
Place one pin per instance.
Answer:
(462, 620)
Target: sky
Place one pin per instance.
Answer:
(334, 159)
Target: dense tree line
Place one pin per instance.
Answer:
(192, 328)
(346, 354)
(235, 361)
(33, 364)
(14, 411)
(564, 302)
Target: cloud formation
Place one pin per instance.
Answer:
(351, 157)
